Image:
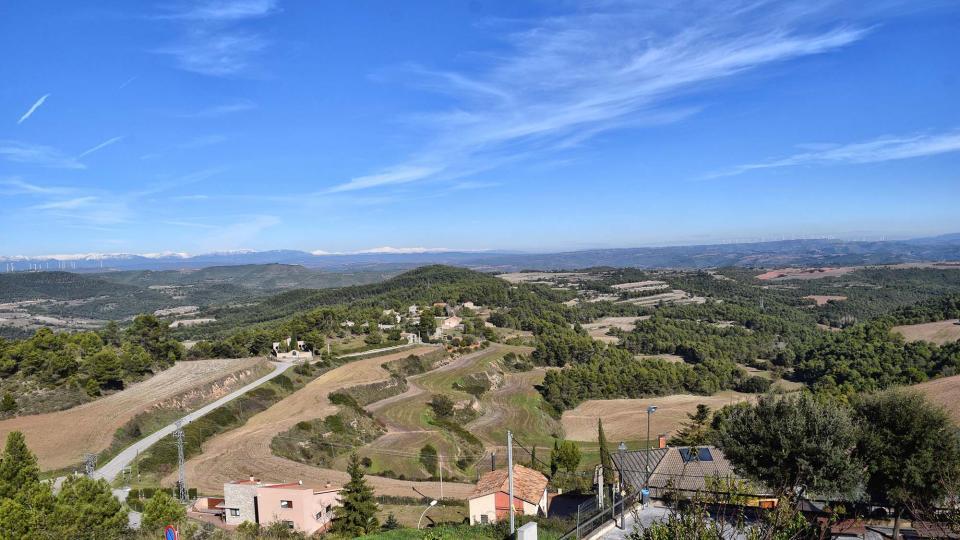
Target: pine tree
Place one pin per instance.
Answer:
(605, 460)
(357, 514)
(391, 523)
(18, 467)
(86, 508)
(9, 403)
(161, 510)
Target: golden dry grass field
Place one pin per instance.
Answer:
(939, 332)
(245, 451)
(626, 419)
(60, 439)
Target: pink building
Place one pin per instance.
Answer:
(300, 507)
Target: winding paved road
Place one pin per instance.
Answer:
(115, 466)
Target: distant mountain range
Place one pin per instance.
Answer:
(816, 252)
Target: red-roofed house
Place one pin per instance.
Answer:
(490, 500)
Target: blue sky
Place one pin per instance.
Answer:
(343, 126)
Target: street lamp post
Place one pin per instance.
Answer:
(646, 462)
(621, 448)
(429, 506)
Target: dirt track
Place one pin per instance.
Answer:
(245, 451)
(61, 438)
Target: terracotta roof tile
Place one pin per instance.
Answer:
(528, 484)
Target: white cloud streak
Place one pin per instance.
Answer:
(567, 79)
(224, 109)
(33, 108)
(37, 154)
(878, 150)
(211, 41)
(100, 146)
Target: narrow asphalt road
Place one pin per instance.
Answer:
(115, 466)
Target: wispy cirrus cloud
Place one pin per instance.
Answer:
(101, 146)
(33, 108)
(37, 154)
(223, 109)
(212, 39)
(17, 186)
(887, 148)
(566, 79)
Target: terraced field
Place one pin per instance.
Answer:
(513, 405)
(245, 451)
(60, 439)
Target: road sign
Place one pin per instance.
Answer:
(170, 533)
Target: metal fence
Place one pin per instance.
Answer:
(591, 517)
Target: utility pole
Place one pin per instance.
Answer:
(182, 481)
(510, 477)
(440, 467)
(650, 410)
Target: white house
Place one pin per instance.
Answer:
(490, 500)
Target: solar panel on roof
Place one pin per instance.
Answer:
(703, 454)
(686, 455)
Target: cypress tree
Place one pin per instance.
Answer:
(554, 462)
(357, 515)
(605, 460)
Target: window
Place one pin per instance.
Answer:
(286, 504)
(289, 524)
(235, 512)
(484, 518)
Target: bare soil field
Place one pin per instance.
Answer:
(822, 299)
(642, 286)
(944, 392)
(598, 329)
(805, 273)
(675, 296)
(626, 419)
(245, 451)
(60, 439)
(543, 277)
(939, 332)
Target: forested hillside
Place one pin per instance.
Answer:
(83, 364)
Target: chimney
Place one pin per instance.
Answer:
(662, 440)
(299, 482)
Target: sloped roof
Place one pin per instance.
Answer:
(528, 484)
(686, 469)
(633, 464)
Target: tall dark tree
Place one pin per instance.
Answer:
(554, 458)
(605, 460)
(911, 450)
(696, 431)
(427, 326)
(792, 442)
(357, 514)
